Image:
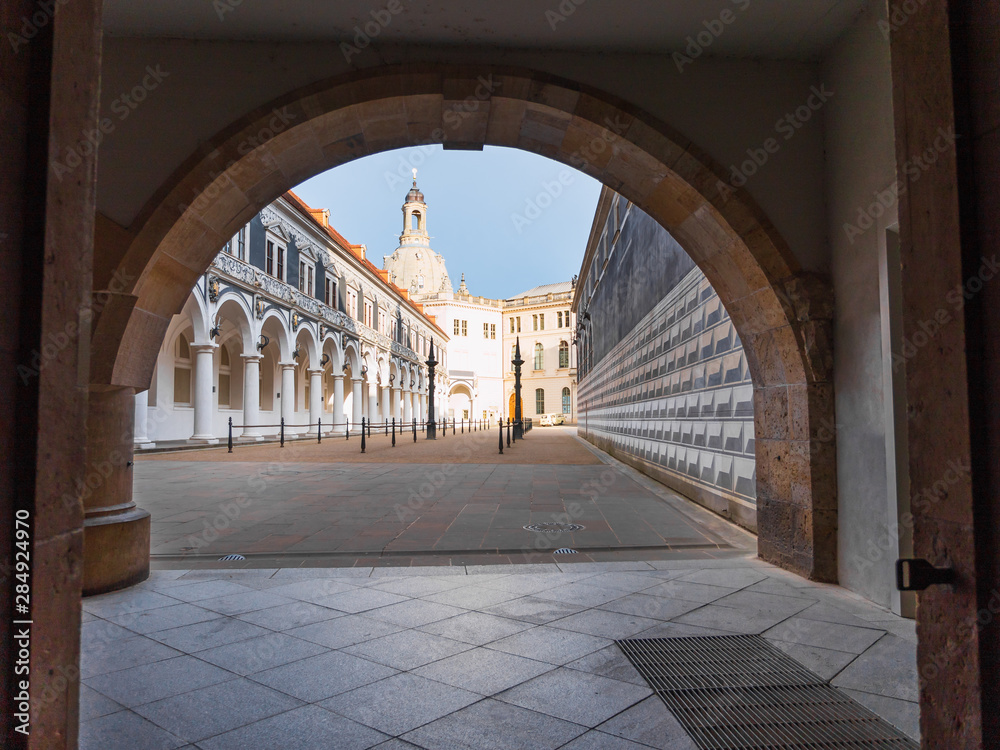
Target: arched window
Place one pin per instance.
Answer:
(539, 401)
(415, 220)
(182, 371)
(567, 407)
(225, 377)
(539, 356)
(563, 354)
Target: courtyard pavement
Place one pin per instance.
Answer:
(477, 657)
(361, 620)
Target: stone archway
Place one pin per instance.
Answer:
(782, 314)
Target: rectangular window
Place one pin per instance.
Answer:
(566, 318)
(458, 323)
(368, 313)
(312, 281)
(241, 243)
(541, 322)
(512, 325)
(539, 401)
(493, 330)
(486, 330)
(269, 261)
(559, 319)
(302, 276)
(281, 263)
(534, 322)
(330, 296)
(465, 328)
(518, 323)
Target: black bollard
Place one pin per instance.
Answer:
(463, 425)
(230, 434)
(453, 425)
(369, 427)
(508, 431)
(501, 440)
(282, 432)
(387, 428)
(319, 430)
(363, 434)
(414, 430)
(348, 435)
(393, 432)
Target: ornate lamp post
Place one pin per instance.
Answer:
(431, 362)
(517, 362)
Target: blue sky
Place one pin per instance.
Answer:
(508, 219)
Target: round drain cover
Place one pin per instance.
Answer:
(553, 528)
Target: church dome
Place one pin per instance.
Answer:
(414, 195)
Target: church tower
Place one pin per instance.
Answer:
(414, 265)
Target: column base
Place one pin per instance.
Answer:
(115, 550)
(196, 440)
(251, 438)
(144, 445)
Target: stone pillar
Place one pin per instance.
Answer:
(338, 400)
(115, 531)
(315, 395)
(356, 411)
(251, 397)
(141, 439)
(204, 369)
(407, 405)
(371, 413)
(386, 409)
(288, 396)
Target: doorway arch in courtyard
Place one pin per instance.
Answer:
(782, 314)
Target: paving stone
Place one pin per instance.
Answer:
(605, 624)
(257, 654)
(581, 594)
(888, 668)
(408, 649)
(360, 600)
(250, 601)
(164, 618)
(109, 605)
(286, 617)
(476, 628)
(473, 597)
(158, 680)
(210, 589)
(904, 715)
(595, 740)
(313, 589)
(420, 586)
(689, 591)
(761, 602)
(731, 619)
(650, 723)
(735, 578)
(413, 613)
(548, 644)
(209, 634)
(650, 607)
(344, 631)
(493, 725)
(114, 656)
(203, 713)
(823, 661)
(825, 635)
(319, 677)
(305, 728)
(93, 704)
(581, 697)
(400, 703)
(483, 671)
(534, 610)
(126, 729)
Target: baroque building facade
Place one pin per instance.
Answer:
(482, 331)
(291, 322)
(664, 381)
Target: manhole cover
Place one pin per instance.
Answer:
(550, 528)
(565, 551)
(229, 558)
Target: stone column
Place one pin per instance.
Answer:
(386, 409)
(407, 405)
(288, 396)
(372, 412)
(356, 411)
(315, 395)
(338, 400)
(251, 397)
(115, 531)
(141, 439)
(204, 369)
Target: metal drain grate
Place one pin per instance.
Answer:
(739, 691)
(229, 558)
(565, 551)
(549, 528)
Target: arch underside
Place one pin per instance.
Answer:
(783, 316)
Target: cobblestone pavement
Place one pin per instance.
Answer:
(474, 657)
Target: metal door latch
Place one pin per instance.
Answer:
(917, 575)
